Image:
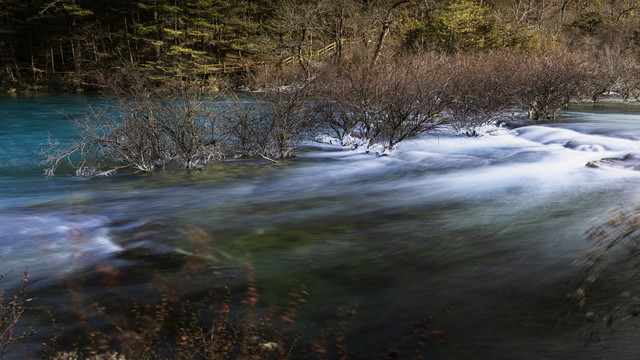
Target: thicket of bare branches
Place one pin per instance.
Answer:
(141, 130)
(548, 82)
(413, 99)
(603, 73)
(479, 89)
(626, 70)
(391, 101)
(146, 128)
(349, 100)
(270, 124)
(382, 104)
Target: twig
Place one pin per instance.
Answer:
(48, 6)
(267, 158)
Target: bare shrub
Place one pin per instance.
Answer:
(336, 116)
(349, 100)
(479, 89)
(611, 69)
(145, 128)
(286, 119)
(241, 125)
(382, 104)
(628, 76)
(273, 122)
(602, 73)
(108, 143)
(190, 124)
(413, 92)
(546, 83)
(141, 130)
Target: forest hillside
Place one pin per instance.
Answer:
(77, 45)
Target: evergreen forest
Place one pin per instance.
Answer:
(77, 45)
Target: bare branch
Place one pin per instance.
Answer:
(48, 6)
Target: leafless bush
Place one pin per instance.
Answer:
(382, 104)
(141, 130)
(628, 76)
(189, 122)
(144, 129)
(242, 125)
(611, 69)
(546, 83)
(286, 119)
(349, 100)
(271, 123)
(412, 93)
(602, 73)
(479, 89)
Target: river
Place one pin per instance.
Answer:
(484, 227)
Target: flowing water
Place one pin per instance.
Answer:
(485, 227)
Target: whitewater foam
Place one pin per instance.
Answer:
(53, 243)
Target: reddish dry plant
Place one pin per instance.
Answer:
(252, 290)
(332, 338)
(424, 332)
(11, 309)
(170, 326)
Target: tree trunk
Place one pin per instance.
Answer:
(126, 30)
(14, 61)
(77, 54)
(339, 35)
(62, 56)
(305, 68)
(75, 44)
(384, 31)
(156, 22)
(33, 64)
(53, 63)
(94, 47)
(563, 10)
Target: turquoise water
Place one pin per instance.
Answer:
(487, 226)
(26, 124)
(31, 235)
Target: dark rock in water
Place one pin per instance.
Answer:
(583, 147)
(629, 161)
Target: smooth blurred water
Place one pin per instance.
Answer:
(487, 226)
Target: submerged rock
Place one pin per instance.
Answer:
(629, 161)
